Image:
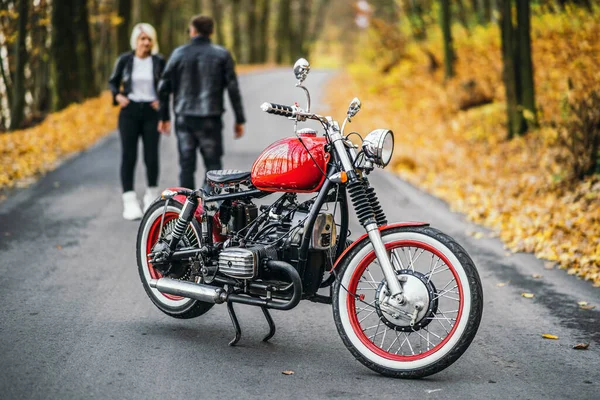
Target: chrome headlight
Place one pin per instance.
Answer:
(379, 146)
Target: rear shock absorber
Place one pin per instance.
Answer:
(361, 202)
(184, 220)
(377, 210)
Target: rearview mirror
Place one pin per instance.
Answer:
(354, 107)
(301, 69)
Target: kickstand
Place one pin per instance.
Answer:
(270, 322)
(236, 324)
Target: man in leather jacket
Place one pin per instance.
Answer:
(197, 74)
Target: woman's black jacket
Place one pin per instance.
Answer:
(122, 74)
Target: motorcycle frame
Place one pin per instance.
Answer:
(323, 197)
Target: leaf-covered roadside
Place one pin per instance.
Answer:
(28, 153)
(520, 188)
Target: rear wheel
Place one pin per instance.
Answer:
(148, 235)
(440, 316)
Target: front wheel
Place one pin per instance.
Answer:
(148, 235)
(438, 319)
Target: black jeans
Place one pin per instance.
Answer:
(194, 133)
(135, 120)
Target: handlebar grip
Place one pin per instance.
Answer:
(278, 109)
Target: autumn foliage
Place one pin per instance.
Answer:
(451, 138)
(27, 153)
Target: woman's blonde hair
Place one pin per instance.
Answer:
(149, 30)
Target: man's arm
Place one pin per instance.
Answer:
(234, 90)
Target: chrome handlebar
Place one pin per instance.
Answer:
(292, 112)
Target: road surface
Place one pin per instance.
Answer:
(77, 324)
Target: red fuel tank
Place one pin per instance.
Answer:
(286, 166)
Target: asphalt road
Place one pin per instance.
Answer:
(75, 322)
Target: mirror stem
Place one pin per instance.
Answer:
(344, 124)
(307, 96)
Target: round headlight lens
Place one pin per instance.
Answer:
(379, 146)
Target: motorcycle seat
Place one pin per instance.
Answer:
(227, 176)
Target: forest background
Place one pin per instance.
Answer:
(495, 103)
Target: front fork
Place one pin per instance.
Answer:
(368, 214)
(393, 284)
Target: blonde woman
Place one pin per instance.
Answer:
(133, 83)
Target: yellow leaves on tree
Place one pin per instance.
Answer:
(451, 139)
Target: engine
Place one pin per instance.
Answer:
(278, 236)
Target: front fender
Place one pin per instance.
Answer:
(366, 237)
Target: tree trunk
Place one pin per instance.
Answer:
(7, 83)
(235, 30)
(302, 29)
(282, 38)
(486, 11)
(217, 13)
(265, 17)
(39, 62)
(18, 95)
(462, 15)
(319, 22)
(123, 28)
(67, 85)
(84, 51)
(513, 116)
(251, 31)
(445, 24)
(527, 95)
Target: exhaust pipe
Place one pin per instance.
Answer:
(211, 294)
(196, 291)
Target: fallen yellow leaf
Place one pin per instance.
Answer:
(582, 303)
(288, 372)
(527, 295)
(549, 336)
(501, 284)
(478, 235)
(588, 307)
(536, 276)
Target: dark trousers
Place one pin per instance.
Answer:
(138, 120)
(193, 133)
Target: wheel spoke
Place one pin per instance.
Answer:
(366, 316)
(409, 345)
(422, 337)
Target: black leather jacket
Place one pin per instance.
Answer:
(122, 74)
(197, 74)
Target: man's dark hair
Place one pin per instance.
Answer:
(203, 24)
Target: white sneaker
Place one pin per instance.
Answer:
(150, 196)
(131, 206)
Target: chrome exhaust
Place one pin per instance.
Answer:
(196, 291)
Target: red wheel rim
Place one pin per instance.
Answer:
(153, 236)
(351, 302)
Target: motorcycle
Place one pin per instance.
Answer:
(407, 299)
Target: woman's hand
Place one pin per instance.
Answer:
(155, 104)
(122, 100)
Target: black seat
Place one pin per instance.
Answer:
(226, 176)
